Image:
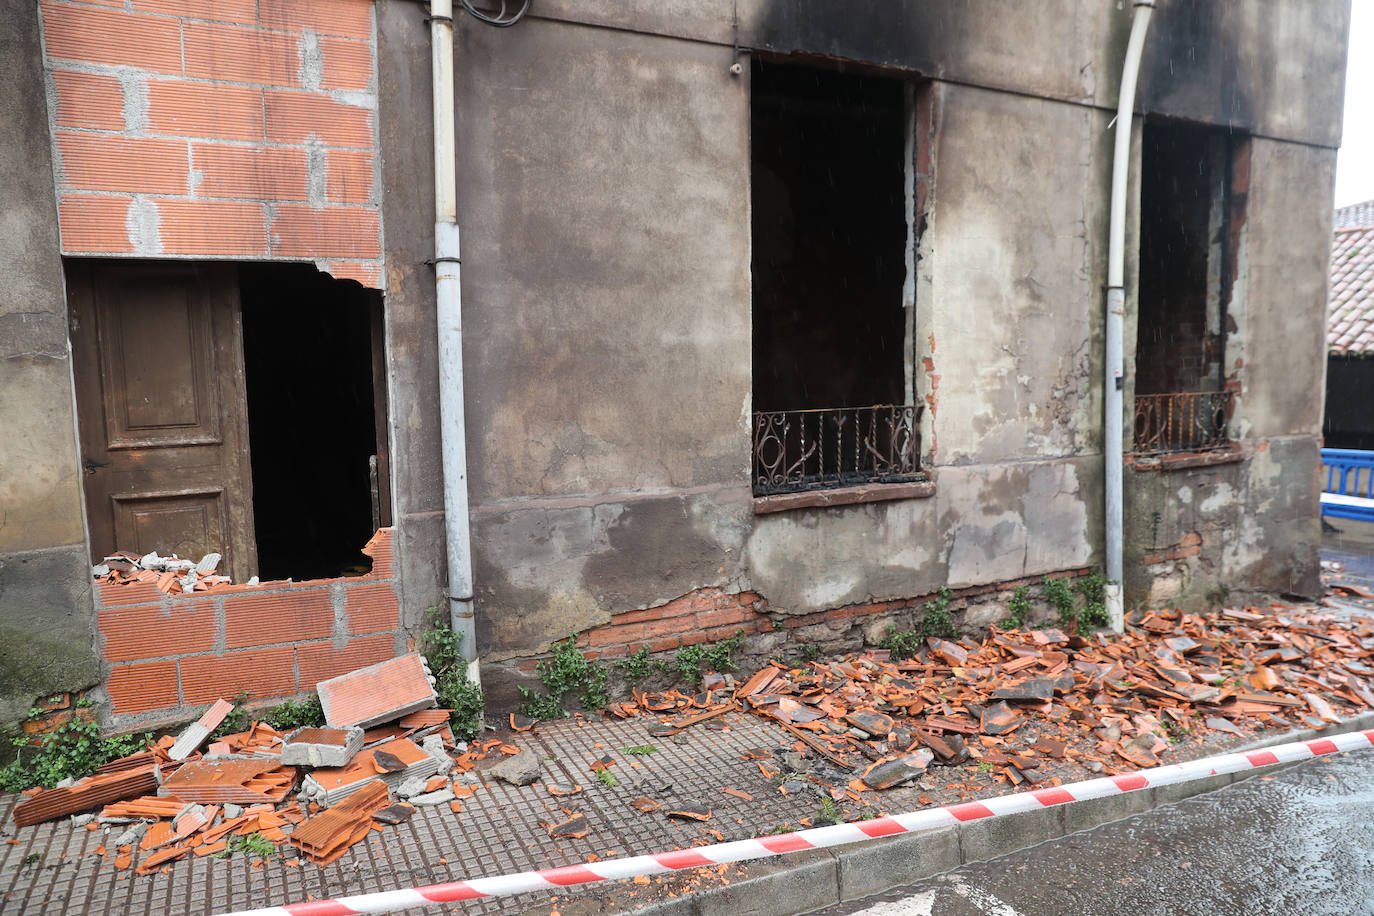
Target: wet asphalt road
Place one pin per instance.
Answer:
(1299, 842)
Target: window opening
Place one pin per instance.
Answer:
(1182, 402)
(308, 355)
(829, 187)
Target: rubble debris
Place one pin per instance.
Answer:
(689, 812)
(83, 795)
(321, 747)
(562, 790)
(519, 770)
(243, 781)
(574, 827)
(329, 834)
(199, 730)
(1168, 668)
(330, 785)
(897, 770)
(378, 693)
(645, 805)
(170, 574)
(433, 798)
(395, 814)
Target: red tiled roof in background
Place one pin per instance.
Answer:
(1350, 304)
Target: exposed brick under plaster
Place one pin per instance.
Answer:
(711, 614)
(169, 653)
(232, 129)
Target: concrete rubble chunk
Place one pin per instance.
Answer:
(208, 564)
(321, 747)
(411, 787)
(81, 820)
(232, 811)
(434, 746)
(132, 834)
(433, 798)
(519, 770)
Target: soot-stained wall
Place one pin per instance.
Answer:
(604, 197)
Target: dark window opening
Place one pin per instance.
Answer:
(829, 183)
(1349, 419)
(1186, 259)
(308, 349)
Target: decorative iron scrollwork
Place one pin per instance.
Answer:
(837, 447)
(1193, 421)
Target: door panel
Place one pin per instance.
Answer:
(180, 523)
(159, 386)
(158, 359)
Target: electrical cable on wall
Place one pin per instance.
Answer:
(500, 20)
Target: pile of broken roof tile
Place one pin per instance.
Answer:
(383, 735)
(1104, 701)
(170, 574)
(1023, 707)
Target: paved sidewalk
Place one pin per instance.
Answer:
(54, 869)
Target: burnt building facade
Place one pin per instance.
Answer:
(777, 318)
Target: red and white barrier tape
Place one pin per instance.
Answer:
(819, 837)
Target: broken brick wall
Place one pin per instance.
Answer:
(228, 129)
(712, 615)
(168, 654)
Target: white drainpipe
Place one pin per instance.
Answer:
(1113, 417)
(452, 423)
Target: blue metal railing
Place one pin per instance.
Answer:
(1348, 490)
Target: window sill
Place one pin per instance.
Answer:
(1182, 460)
(844, 496)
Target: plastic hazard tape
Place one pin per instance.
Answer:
(820, 837)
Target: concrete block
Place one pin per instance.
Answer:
(321, 747)
(991, 837)
(797, 883)
(1084, 815)
(871, 868)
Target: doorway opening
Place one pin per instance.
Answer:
(310, 363)
(237, 410)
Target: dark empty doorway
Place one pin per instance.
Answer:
(311, 351)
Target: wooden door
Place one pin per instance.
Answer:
(158, 360)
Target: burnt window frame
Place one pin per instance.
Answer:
(857, 452)
(1193, 420)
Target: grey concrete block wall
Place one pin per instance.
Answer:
(47, 640)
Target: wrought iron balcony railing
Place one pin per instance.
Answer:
(817, 449)
(1193, 421)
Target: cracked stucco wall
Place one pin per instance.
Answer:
(46, 610)
(605, 205)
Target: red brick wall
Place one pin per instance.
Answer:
(167, 653)
(235, 128)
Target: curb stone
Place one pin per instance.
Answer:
(821, 878)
